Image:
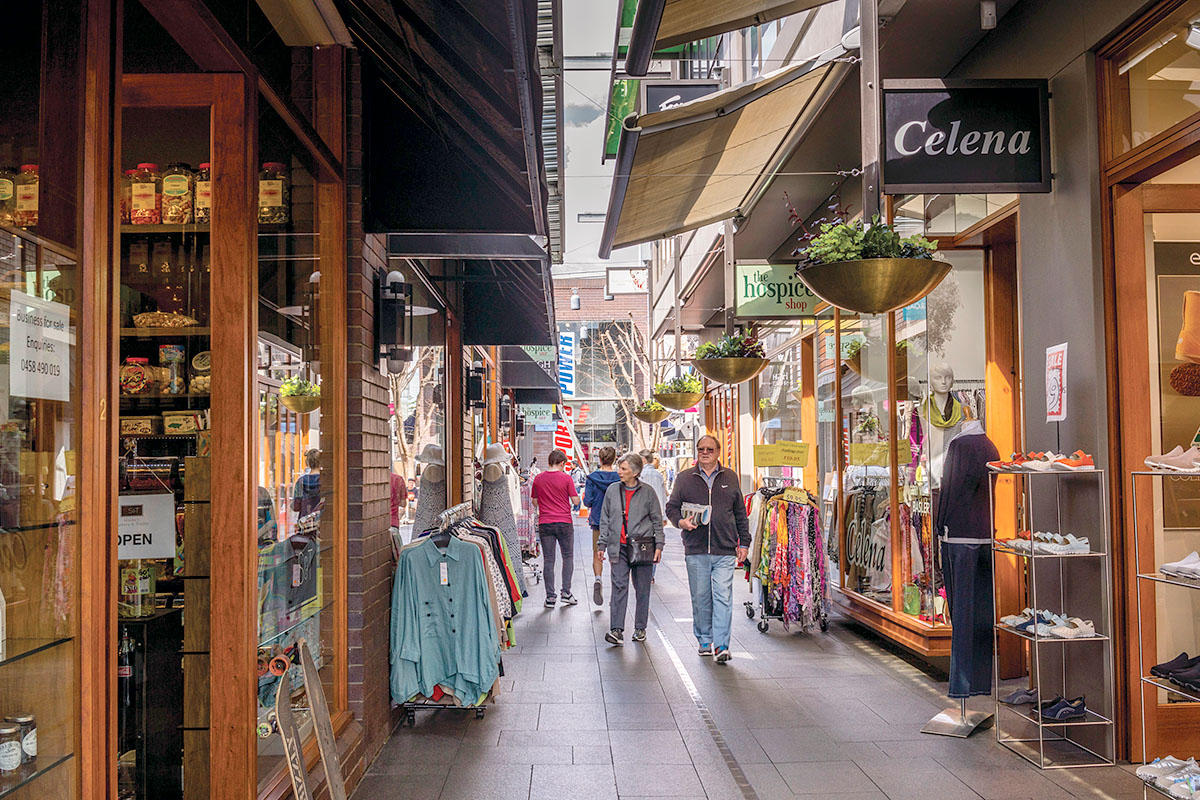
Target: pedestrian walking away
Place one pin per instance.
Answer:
(631, 531)
(552, 495)
(707, 506)
(594, 489)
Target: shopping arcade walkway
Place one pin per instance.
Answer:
(820, 715)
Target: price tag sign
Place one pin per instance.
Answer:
(445, 573)
(781, 454)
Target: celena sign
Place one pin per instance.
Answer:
(966, 136)
(772, 291)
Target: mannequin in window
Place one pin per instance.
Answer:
(431, 491)
(944, 417)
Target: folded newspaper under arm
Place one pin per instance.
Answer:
(696, 513)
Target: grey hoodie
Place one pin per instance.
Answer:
(645, 518)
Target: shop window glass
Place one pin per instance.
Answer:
(945, 214)
(827, 437)
(165, 471)
(940, 363)
(300, 325)
(866, 428)
(40, 405)
(1156, 79)
(1172, 272)
(780, 394)
(418, 403)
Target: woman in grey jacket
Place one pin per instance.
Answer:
(630, 513)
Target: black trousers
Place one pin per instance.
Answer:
(557, 535)
(967, 572)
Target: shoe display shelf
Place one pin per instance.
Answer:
(1066, 667)
(1155, 579)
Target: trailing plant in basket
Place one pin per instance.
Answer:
(767, 406)
(685, 384)
(296, 386)
(852, 241)
(650, 405)
(732, 345)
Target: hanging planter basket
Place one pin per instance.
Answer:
(874, 285)
(652, 417)
(729, 370)
(797, 395)
(679, 400)
(301, 404)
(767, 414)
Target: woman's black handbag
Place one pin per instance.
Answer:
(640, 552)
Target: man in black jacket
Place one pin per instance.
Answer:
(716, 536)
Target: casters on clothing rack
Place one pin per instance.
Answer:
(410, 717)
(824, 625)
(479, 713)
(763, 626)
(749, 610)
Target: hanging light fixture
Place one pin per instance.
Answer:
(393, 321)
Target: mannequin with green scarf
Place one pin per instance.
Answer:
(943, 415)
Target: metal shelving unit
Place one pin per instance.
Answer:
(1052, 744)
(1155, 579)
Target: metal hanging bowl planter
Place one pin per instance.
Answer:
(767, 414)
(301, 404)
(653, 416)
(874, 285)
(679, 401)
(729, 370)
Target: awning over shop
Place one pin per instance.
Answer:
(529, 379)
(699, 162)
(660, 24)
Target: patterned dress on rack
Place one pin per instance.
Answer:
(495, 509)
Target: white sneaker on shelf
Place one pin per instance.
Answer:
(1182, 567)
(1189, 770)
(1075, 628)
(1069, 545)
(1163, 765)
(1045, 464)
(1187, 461)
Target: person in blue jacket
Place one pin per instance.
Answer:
(594, 488)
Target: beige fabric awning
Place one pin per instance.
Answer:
(659, 24)
(697, 163)
(686, 21)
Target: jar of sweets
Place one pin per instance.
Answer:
(274, 193)
(27, 196)
(204, 193)
(146, 195)
(177, 194)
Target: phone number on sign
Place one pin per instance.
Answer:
(40, 367)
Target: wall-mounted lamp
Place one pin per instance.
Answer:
(520, 429)
(393, 321)
(475, 384)
(575, 301)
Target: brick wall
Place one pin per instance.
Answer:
(369, 557)
(593, 306)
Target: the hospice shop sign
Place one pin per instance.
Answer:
(772, 291)
(966, 136)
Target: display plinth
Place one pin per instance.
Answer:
(958, 722)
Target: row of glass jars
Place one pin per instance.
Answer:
(19, 196)
(179, 196)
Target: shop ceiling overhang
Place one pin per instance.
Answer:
(453, 115)
(700, 162)
(660, 24)
(527, 379)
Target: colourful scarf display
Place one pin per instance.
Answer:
(931, 412)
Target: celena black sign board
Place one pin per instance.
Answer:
(661, 95)
(966, 136)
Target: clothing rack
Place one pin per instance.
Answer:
(454, 514)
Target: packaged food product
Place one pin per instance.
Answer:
(177, 194)
(27, 196)
(202, 362)
(28, 723)
(8, 196)
(171, 354)
(201, 384)
(138, 586)
(204, 193)
(146, 195)
(181, 421)
(140, 426)
(274, 193)
(10, 748)
(162, 319)
(127, 195)
(136, 377)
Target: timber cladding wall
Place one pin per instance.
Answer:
(369, 561)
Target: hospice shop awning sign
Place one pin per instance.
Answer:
(966, 136)
(39, 362)
(772, 291)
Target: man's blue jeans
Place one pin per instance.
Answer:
(711, 581)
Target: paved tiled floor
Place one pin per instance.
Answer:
(811, 716)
